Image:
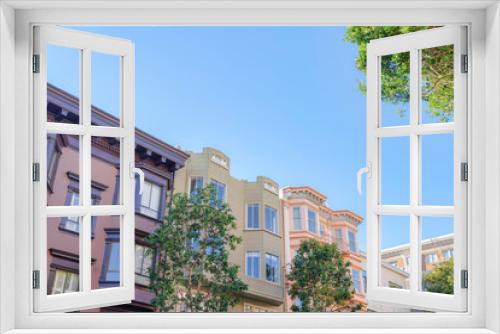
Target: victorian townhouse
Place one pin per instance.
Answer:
(157, 159)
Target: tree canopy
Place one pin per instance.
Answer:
(320, 279)
(440, 279)
(436, 71)
(192, 271)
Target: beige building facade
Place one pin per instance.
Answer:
(256, 206)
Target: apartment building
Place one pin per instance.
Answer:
(256, 206)
(307, 216)
(157, 159)
(434, 251)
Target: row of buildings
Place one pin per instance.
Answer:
(272, 222)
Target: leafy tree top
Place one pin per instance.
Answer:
(320, 278)
(436, 72)
(192, 246)
(440, 279)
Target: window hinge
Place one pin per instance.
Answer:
(36, 172)
(36, 63)
(36, 279)
(464, 171)
(464, 278)
(465, 64)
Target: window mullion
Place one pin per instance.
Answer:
(85, 171)
(414, 170)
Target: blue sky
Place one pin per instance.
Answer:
(279, 101)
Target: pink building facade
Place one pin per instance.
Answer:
(306, 216)
(157, 159)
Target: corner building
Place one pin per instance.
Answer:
(256, 206)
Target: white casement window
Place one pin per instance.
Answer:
(75, 290)
(352, 241)
(64, 282)
(356, 282)
(252, 216)
(220, 190)
(312, 224)
(339, 236)
(272, 268)
(253, 264)
(297, 218)
(271, 219)
(151, 200)
(195, 184)
(414, 133)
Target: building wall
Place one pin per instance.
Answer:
(157, 159)
(212, 164)
(307, 198)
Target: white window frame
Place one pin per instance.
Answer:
(276, 229)
(87, 43)
(247, 217)
(416, 297)
(16, 17)
(252, 254)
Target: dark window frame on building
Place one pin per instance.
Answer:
(63, 261)
(162, 182)
(74, 188)
(140, 240)
(112, 237)
(54, 152)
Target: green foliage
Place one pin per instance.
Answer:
(192, 249)
(436, 73)
(440, 279)
(320, 279)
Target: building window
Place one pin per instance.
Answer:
(311, 221)
(65, 281)
(253, 216)
(322, 230)
(352, 241)
(195, 185)
(355, 280)
(297, 219)
(431, 258)
(72, 223)
(253, 264)
(53, 155)
(249, 308)
(220, 191)
(111, 261)
(143, 263)
(448, 254)
(339, 236)
(151, 200)
(272, 268)
(271, 220)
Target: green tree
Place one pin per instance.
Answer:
(320, 279)
(192, 251)
(440, 279)
(436, 73)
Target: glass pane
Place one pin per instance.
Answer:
(437, 254)
(395, 89)
(437, 84)
(63, 170)
(395, 170)
(395, 251)
(105, 248)
(437, 169)
(106, 89)
(63, 255)
(63, 84)
(106, 171)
